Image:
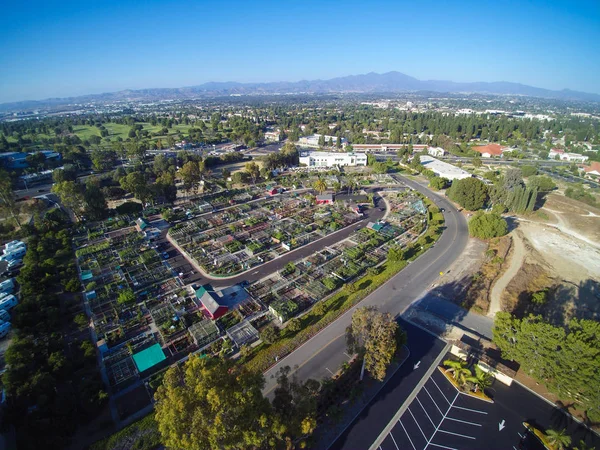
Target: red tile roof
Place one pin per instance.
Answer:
(492, 149)
(594, 166)
(558, 150)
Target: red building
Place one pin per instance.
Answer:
(325, 199)
(210, 301)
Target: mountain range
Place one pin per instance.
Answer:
(390, 82)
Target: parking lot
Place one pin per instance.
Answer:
(440, 417)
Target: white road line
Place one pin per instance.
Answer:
(397, 448)
(472, 410)
(438, 408)
(329, 371)
(464, 421)
(407, 435)
(416, 422)
(425, 411)
(438, 427)
(515, 448)
(522, 437)
(443, 446)
(347, 355)
(436, 385)
(456, 434)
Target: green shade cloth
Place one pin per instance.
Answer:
(149, 357)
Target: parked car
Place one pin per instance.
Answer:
(165, 255)
(4, 329)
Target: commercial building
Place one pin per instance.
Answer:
(18, 160)
(436, 151)
(332, 159)
(313, 141)
(443, 169)
(383, 148)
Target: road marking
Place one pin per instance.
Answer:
(501, 425)
(397, 448)
(407, 435)
(438, 408)
(438, 427)
(417, 422)
(416, 366)
(436, 385)
(464, 421)
(443, 446)
(472, 410)
(347, 355)
(425, 411)
(522, 437)
(456, 434)
(329, 371)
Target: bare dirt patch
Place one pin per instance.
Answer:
(573, 215)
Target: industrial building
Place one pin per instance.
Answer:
(332, 159)
(442, 169)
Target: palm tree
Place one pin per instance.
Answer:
(459, 371)
(480, 379)
(583, 446)
(320, 186)
(558, 439)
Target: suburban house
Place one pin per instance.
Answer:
(210, 301)
(325, 199)
(593, 170)
(332, 159)
(272, 136)
(490, 150)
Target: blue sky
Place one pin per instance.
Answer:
(58, 49)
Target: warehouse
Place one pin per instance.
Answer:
(444, 170)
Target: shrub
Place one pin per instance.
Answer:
(470, 193)
(487, 226)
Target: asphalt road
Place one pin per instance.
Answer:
(322, 355)
(366, 427)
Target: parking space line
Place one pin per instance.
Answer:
(407, 435)
(472, 410)
(426, 413)
(464, 421)
(436, 385)
(438, 408)
(456, 434)
(443, 446)
(397, 448)
(442, 421)
(417, 422)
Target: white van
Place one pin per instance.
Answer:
(8, 302)
(13, 244)
(15, 253)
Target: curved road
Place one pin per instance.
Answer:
(323, 355)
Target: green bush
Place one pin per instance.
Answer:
(470, 193)
(487, 226)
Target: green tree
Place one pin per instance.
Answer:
(480, 379)
(373, 334)
(320, 186)
(476, 162)
(438, 183)
(210, 403)
(396, 254)
(7, 197)
(71, 195)
(126, 297)
(253, 171)
(470, 193)
(190, 174)
(270, 334)
(459, 371)
(487, 226)
(558, 439)
(294, 325)
(135, 182)
(240, 177)
(542, 182)
(96, 207)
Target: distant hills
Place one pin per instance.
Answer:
(390, 82)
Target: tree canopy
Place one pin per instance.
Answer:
(487, 226)
(470, 193)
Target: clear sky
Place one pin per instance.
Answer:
(57, 49)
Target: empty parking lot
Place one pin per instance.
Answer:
(440, 417)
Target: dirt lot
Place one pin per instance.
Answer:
(562, 257)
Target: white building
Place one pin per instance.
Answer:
(564, 156)
(444, 170)
(272, 136)
(313, 141)
(332, 159)
(436, 151)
